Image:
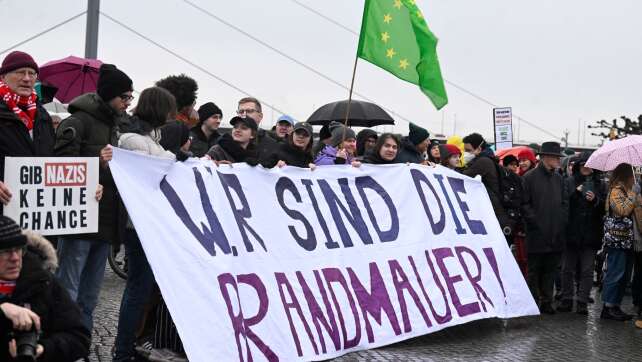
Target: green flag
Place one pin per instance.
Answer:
(395, 37)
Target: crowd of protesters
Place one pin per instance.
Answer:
(565, 222)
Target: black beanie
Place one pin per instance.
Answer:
(10, 234)
(174, 135)
(112, 82)
(207, 110)
(416, 135)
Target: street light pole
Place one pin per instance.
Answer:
(91, 32)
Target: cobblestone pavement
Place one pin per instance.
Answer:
(561, 337)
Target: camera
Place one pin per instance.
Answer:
(26, 344)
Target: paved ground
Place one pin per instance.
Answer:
(562, 337)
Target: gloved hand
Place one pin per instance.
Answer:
(182, 155)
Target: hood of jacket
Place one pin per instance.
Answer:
(43, 249)
(92, 104)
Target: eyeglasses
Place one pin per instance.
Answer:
(126, 97)
(26, 73)
(6, 253)
(241, 112)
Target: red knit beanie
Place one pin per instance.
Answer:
(453, 150)
(16, 60)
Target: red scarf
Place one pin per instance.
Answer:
(6, 288)
(23, 107)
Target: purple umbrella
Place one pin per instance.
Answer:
(72, 76)
(611, 154)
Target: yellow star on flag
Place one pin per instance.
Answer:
(403, 63)
(390, 53)
(385, 37)
(397, 4)
(387, 18)
(419, 14)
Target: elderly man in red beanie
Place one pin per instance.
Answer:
(92, 126)
(26, 127)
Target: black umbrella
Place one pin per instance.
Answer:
(362, 114)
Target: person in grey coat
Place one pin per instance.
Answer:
(546, 216)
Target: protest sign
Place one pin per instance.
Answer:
(503, 122)
(53, 195)
(292, 264)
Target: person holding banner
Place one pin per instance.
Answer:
(342, 149)
(385, 150)
(27, 128)
(87, 132)
(155, 107)
(295, 151)
(239, 146)
(414, 146)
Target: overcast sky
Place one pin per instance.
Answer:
(554, 62)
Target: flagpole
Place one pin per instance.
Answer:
(345, 123)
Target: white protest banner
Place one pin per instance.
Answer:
(292, 264)
(503, 122)
(53, 195)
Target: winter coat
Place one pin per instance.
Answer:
(145, 144)
(585, 218)
(625, 203)
(374, 159)
(226, 149)
(545, 210)
(64, 337)
(486, 167)
(292, 156)
(408, 153)
(15, 140)
(265, 145)
(328, 156)
(91, 126)
(201, 143)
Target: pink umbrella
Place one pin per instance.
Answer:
(611, 154)
(72, 76)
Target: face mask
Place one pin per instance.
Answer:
(468, 157)
(454, 161)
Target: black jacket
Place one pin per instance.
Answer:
(64, 337)
(486, 167)
(226, 149)
(408, 153)
(265, 145)
(545, 210)
(293, 156)
(585, 223)
(200, 143)
(15, 140)
(374, 159)
(91, 126)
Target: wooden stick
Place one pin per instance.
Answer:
(345, 123)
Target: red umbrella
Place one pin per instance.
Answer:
(72, 76)
(513, 151)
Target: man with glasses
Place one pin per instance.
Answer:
(251, 107)
(26, 129)
(32, 300)
(89, 130)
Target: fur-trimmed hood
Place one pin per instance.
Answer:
(42, 248)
